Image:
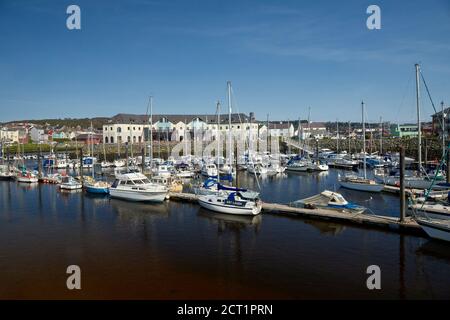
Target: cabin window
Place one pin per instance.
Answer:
(123, 183)
(129, 182)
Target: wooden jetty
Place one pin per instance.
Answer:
(365, 220)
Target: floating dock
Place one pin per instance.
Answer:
(361, 219)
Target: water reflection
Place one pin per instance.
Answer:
(231, 223)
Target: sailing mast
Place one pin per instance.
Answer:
(218, 140)
(364, 139)
(151, 130)
(443, 129)
(229, 125)
(381, 136)
(419, 135)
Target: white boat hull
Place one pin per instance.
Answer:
(434, 230)
(27, 180)
(70, 186)
(222, 208)
(362, 186)
(151, 196)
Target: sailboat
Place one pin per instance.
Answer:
(230, 200)
(356, 182)
(5, 170)
(90, 184)
(23, 175)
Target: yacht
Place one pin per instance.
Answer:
(231, 201)
(69, 183)
(5, 173)
(209, 170)
(26, 177)
(135, 186)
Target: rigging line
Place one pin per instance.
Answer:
(405, 90)
(429, 96)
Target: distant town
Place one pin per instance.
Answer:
(133, 128)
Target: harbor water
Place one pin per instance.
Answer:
(178, 250)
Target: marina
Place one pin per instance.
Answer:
(225, 156)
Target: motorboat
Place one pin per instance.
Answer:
(317, 166)
(209, 170)
(328, 200)
(297, 166)
(119, 163)
(69, 183)
(163, 170)
(135, 186)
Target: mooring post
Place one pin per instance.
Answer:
(402, 184)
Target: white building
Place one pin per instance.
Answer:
(38, 135)
(315, 130)
(135, 128)
(9, 136)
(278, 128)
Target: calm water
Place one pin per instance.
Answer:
(175, 250)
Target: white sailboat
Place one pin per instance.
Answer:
(228, 199)
(356, 182)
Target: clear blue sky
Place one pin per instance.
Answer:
(281, 56)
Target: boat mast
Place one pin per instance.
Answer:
(337, 136)
(443, 129)
(364, 139)
(419, 133)
(218, 139)
(381, 136)
(151, 130)
(229, 124)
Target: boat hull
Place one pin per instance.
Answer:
(27, 180)
(362, 186)
(254, 210)
(97, 190)
(158, 196)
(434, 230)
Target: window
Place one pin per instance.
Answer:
(119, 129)
(111, 128)
(112, 139)
(134, 138)
(129, 139)
(106, 128)
(140, 139)
(106, 140)
(134, 128)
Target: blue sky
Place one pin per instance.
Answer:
(281, 56)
